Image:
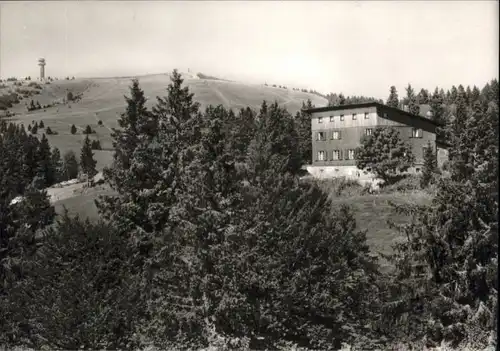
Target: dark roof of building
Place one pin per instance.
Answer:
(423, 109)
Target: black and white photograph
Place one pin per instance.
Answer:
(249, 175)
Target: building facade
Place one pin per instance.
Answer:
(338, 130)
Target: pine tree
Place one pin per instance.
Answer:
(34, 129)
(87, 130)
(430, 166)
(29, 127)
(41, 125)
(70, 166)
(87, 162)
(73, 129)
(413, 106)
(48, 131)
(393, 100)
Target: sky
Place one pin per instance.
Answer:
(353, 47)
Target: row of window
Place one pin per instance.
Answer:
(354, 117)
(337, 134)
(336, 155)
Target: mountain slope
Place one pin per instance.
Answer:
(103, 99)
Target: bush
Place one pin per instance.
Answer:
(35, 85)
(408, 182)
(99, 122)
(69, 96)
(341, 186)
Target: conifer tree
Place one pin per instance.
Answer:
(430, 166)
(385, 154)
(34, 129)
(303, 127)
(29, 127)
(57, 165)
(342, 100)
(393, 100)
(423, 96)
(87, 162)
(41, 125)
(460, 153)
(413, 106)
(44, 163)
(73, 129)
(70, 166)
(475, 95)
(48, 131)
(87, 130)
(135, 123)
(453, 95)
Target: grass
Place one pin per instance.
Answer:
(103, 99)
(373, 211)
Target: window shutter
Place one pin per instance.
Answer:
(340, 134)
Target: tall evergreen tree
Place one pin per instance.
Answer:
(57, 165)
(87, 162)
(453, 95)
(430, 166)
(393, 100)
(70, 165)
(423, 96)
(44, 162)
(413, 106)
(303, 127)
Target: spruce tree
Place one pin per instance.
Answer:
(453, 95)
(70, 166)
(87, 130)
(41, 125)
(393, 100)
(423, 96)
(413, 106)
(44, 163)
(450, 256)
(342, 100)
(87, 162)
(57, 165)
(73, 129)
(430, 166)
(385, 154)
(34, 129)
(303, 127)
(475, 95)
(137, 122)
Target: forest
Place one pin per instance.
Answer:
(214, 239)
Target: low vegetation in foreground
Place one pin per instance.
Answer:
(211, 239)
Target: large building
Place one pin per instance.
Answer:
(337, 132)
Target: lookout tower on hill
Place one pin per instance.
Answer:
(41, 63)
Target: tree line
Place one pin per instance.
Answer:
(212, 238)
